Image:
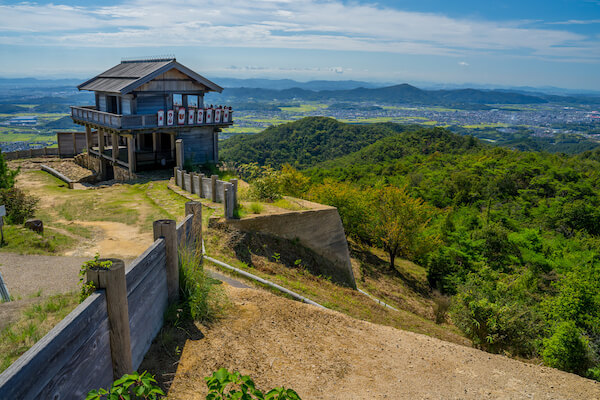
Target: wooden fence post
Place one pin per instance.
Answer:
(201, 191)
(213, 183)
(234, 182)
(167, 229)
(113, 281)
(195, 208)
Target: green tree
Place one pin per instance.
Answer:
(398, 223)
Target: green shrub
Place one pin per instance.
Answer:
(223, 384)
(256, 208)
(265, 182)
(19, 206)
(7, 176)
(567, 349)
(490, 310)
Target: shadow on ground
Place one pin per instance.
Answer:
(165, 352)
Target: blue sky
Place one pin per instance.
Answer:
(534, 43)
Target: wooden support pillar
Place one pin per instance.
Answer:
(167, 229)
(154, 142)
(100, 141)
(115, 146)
(179, 153)
(131, 154)
(172, 135)
(88, 138)
(113, 281)
(215, 146)
(195, 208)
(74, 144)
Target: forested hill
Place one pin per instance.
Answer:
(513, 236)
(306, 142)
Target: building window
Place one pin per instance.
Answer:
(192, 101)
(177, 100)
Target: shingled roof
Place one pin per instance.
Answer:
(129, 75)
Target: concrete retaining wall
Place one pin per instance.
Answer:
(320, 230)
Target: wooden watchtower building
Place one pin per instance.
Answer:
(141, 108)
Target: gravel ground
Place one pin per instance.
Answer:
(64, 166)
(25, 275)
(323, 354)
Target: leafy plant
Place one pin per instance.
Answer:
(223, 384)
(130, 387)
(88, 288)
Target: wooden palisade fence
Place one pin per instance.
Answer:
(31, 153)
(109, 333)
(209, 188)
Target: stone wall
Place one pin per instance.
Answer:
(86, 161)
(320, 230)
(122, 174)
(94, 164)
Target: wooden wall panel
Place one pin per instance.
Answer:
(69, 361)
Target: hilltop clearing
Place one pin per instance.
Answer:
(323, 354)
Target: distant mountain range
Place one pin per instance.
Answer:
(280, 84)
(401, 94)
(251, 90)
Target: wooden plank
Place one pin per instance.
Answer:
(142, 265)
(167, 229)
(147, 305)
(220, 195)
(206, 188)
(187, 182)
(89, 368)
(45, 359)
(184, 229)
(196, 184)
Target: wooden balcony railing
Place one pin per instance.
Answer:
(89, 114)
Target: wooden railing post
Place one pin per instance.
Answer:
(113, 281)
(213, 183)
(234, 182)
(167, 229)
(195, 208)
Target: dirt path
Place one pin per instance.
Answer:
(327, 355)
(25, 275)
(115, 240)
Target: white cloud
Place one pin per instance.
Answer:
(576, 22)
(301, 24)
(463, 63)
